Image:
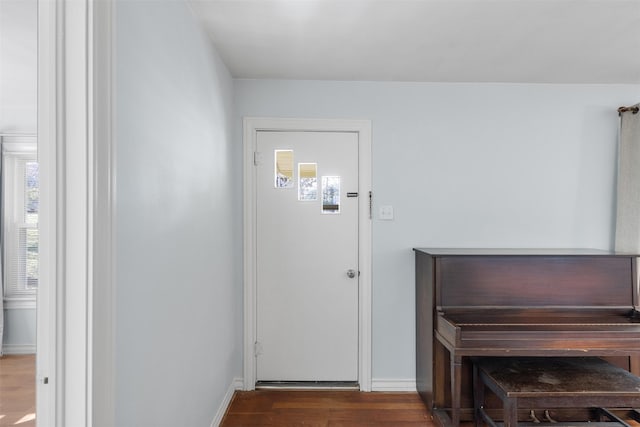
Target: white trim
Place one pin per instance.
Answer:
(393, 385)
(18, 349)
(101, 390)
(236, 384)
(65, 138)
(47, 323)
(74, 222)
(19, 139)
(251, 126)
(28, 303)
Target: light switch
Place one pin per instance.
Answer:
(386, 213)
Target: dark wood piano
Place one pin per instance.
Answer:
(495, 302)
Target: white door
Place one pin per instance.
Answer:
(307, 256)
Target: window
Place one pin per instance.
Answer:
(307, 181)
(330, 194)
(283, 168)
(20, 205)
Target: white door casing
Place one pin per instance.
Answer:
(75, 154)
(307, 303)
(361, 128)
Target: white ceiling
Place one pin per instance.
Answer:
(528, 41)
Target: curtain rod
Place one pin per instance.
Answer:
(634, 109)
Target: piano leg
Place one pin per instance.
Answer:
(456, 389)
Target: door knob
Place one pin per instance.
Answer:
(351, 274)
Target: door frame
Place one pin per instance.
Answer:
(75, 307)
(251, 127)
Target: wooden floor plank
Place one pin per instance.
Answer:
(17, 390)
(326, 409)
(280, 408)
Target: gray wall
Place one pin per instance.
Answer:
(19, 330)
(179, 237)
(18, 115)
(18, 66)
(469, 165)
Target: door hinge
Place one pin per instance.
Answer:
(370, 205)
(257, 349)
(257, 158)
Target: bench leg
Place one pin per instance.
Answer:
(510, 412)
(478, 395)
(456, 389)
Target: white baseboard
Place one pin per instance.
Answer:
(19, 349)
(236, 384)
(393, 385)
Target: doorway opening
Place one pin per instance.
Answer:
(19, 213)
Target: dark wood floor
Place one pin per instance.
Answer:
(17, 390)
(325, 408)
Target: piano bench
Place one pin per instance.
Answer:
(552, 383)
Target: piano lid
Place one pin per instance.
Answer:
(521, 252)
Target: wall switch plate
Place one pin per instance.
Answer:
(386, 213)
